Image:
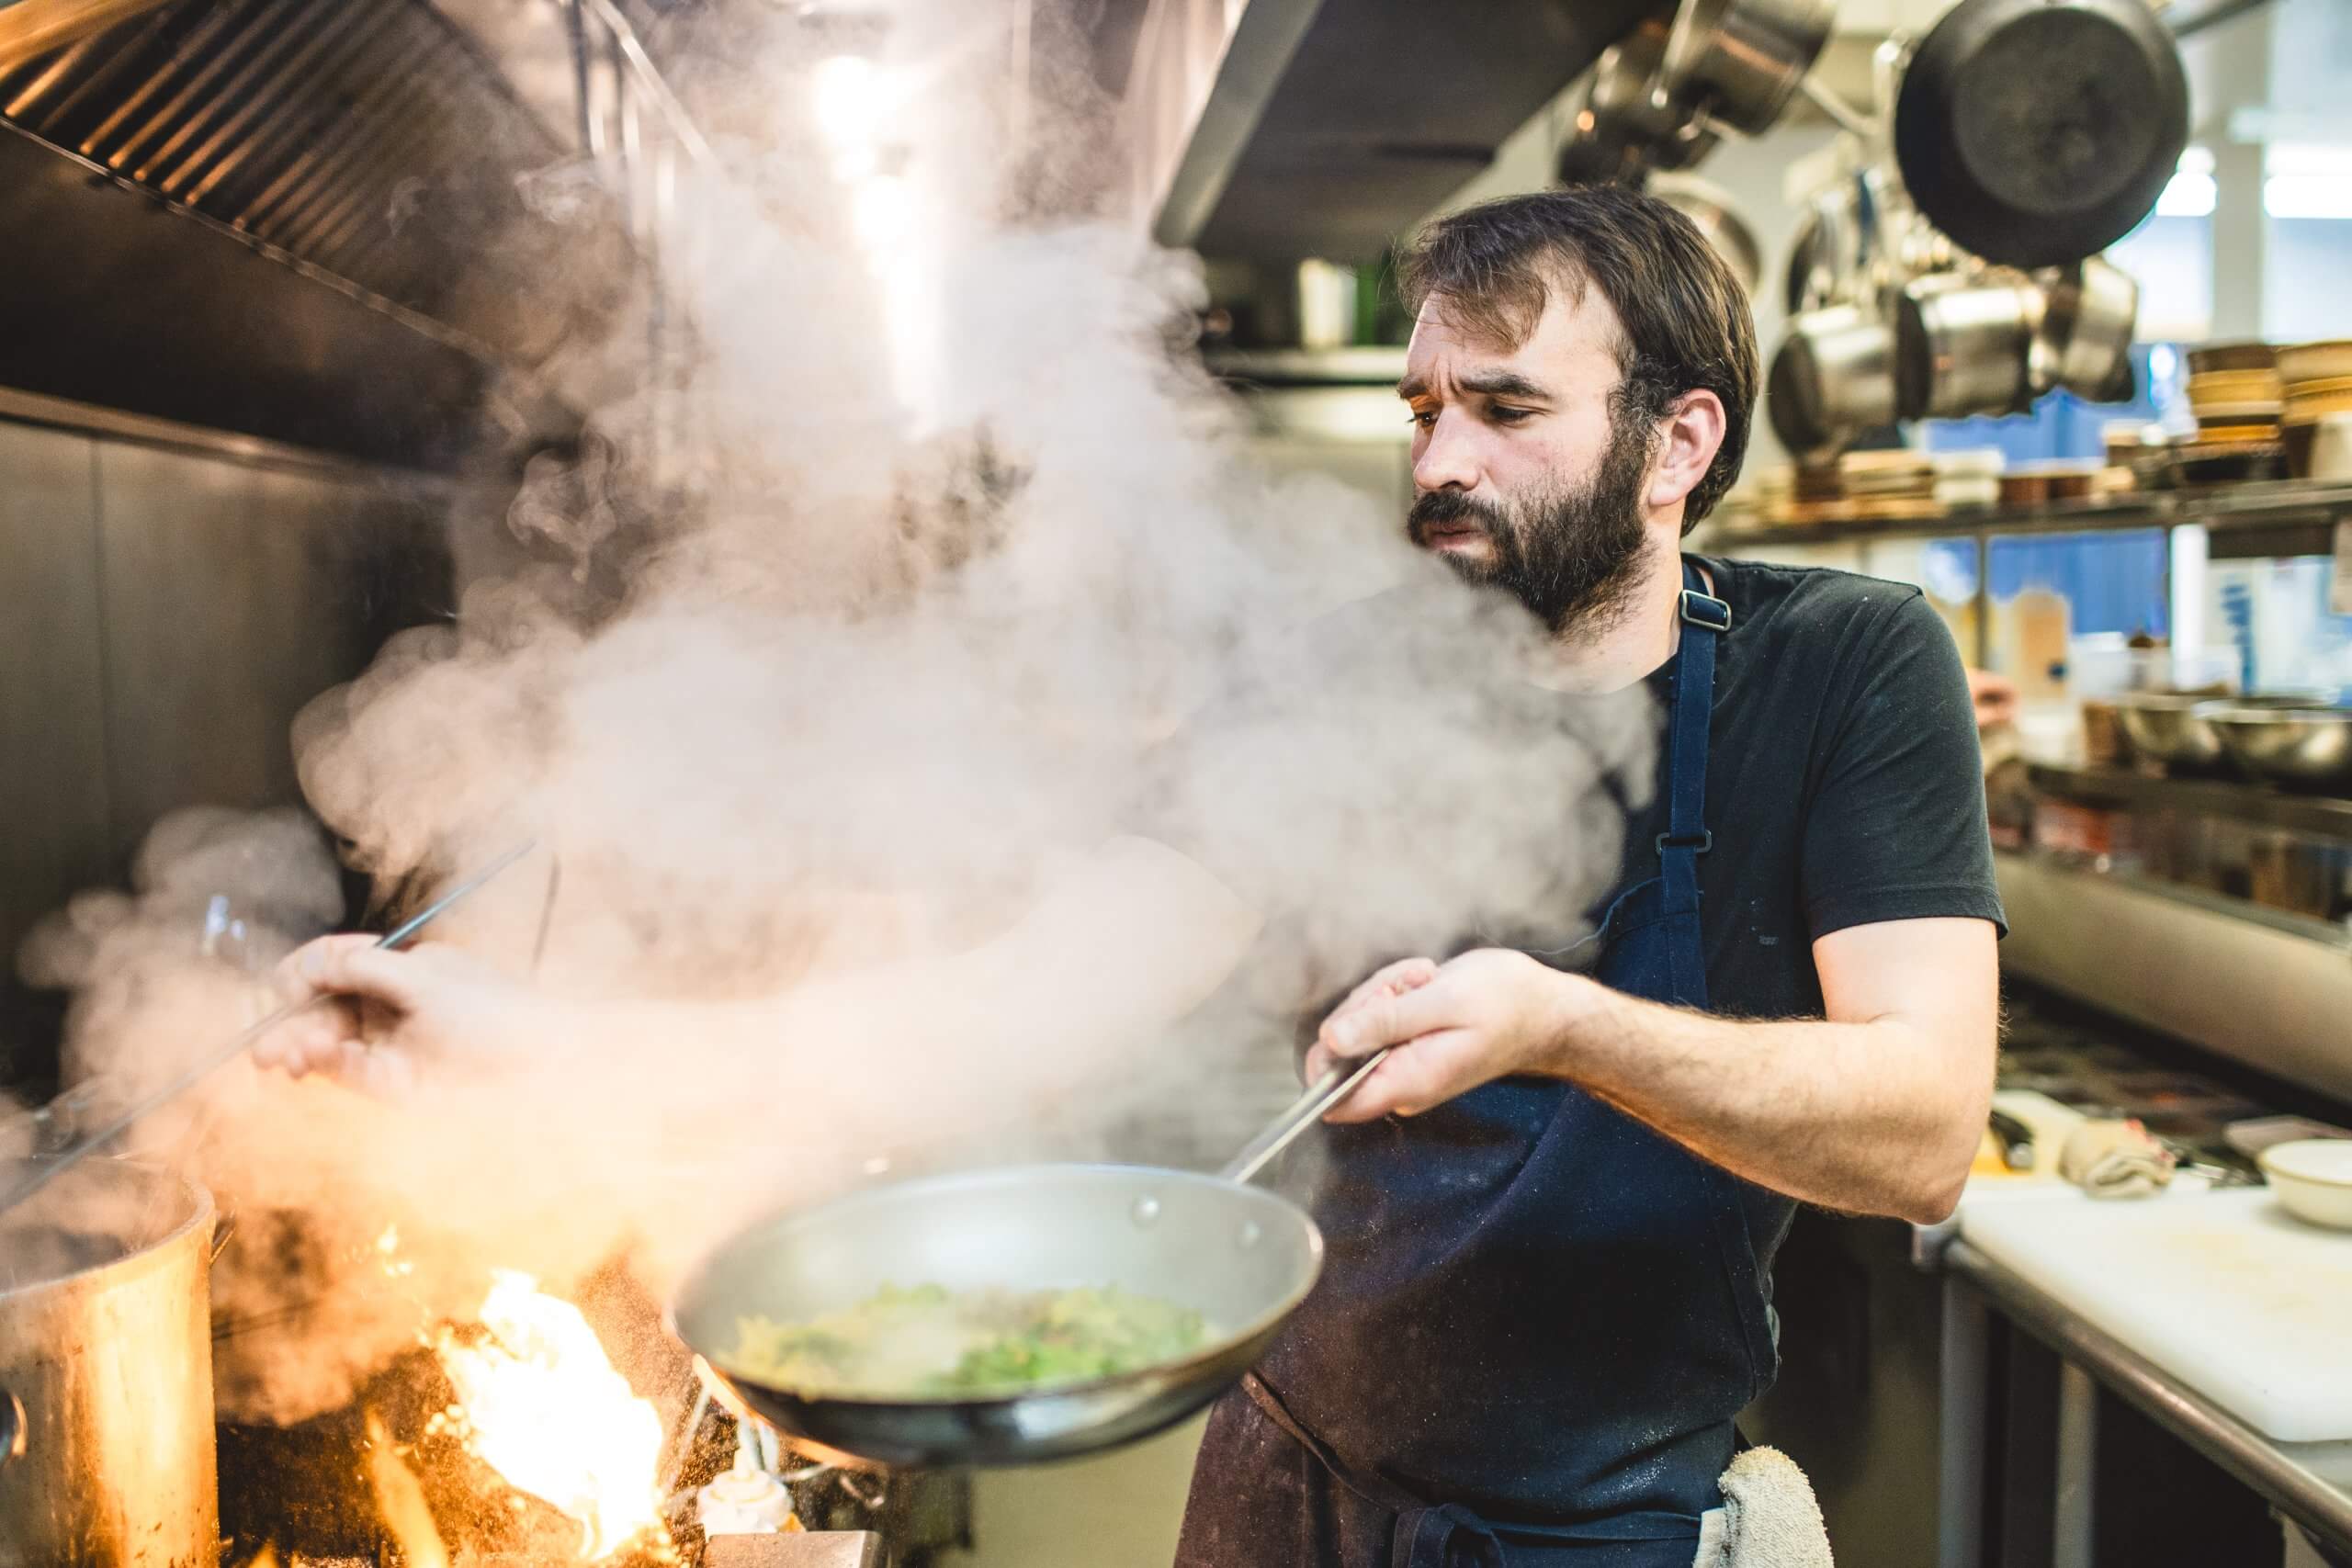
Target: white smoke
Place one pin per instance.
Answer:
(957, 566)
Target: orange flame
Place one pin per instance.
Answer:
(542, 1407)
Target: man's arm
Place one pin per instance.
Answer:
(1877, 1108)
(1131, 939)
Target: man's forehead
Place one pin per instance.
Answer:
(1574, 328)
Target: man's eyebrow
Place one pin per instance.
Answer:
(1412, 386)
(1501, 384)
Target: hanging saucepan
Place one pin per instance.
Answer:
(1832, 379)
(1628, 125)
(1739, 60)
(1961, 344)
(2037, 133)
(2085, 343)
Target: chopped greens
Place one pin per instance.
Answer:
(928, 1342)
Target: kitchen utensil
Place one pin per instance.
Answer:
(2307, 748)
(2232, 356)
(2037, 133)
(2083, 341)
(1710, 208)
(1242, 1258)
(2166, 726)
(2314, 361)
(1962, 343)
(2314, 1178)
(1740, 61)
(1832, 379)
(1629, 124)
(49, 1169)
(106, 1371)
(2016, 1139)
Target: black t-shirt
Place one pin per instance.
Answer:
(1844, 782)
(1844, 786)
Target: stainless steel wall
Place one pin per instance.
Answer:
(164, 613)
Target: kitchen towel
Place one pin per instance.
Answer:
(1768, 1519)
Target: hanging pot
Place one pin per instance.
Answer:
(2037, 133)
(2085, 343)
(1962, 342)
(1628, 125)
(1739, 60)
(106, 1371)
(1832, 378)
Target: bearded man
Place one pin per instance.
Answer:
(1552, 1211)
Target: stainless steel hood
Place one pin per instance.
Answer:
(1283, 128)
(298, 218)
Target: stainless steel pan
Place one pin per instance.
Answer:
(1242, 1258)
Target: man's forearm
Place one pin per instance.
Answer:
(1881, 1117)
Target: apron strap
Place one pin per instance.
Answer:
(1426, 1535)
(1704, 618)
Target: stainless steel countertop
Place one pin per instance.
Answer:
(2309, 1483)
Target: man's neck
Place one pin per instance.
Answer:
(1642, 634)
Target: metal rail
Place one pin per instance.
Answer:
(2276, 503)
(2309, 1483)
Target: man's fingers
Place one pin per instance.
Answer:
(1388, 1021)
(353, 965)
(1404, 975)
(1405, 1083)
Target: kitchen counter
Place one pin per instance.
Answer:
(2309, 1483)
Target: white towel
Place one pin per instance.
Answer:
(1768, 1518)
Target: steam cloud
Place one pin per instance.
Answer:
(952, 565)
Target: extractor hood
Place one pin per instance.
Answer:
(306, 219)
(1284, 129)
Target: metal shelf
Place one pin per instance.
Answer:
(2273, 504)
(2322, 816)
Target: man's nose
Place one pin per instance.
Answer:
(1446, 458)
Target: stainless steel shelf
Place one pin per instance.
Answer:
(2309, 1483)
(2282, 505)
(2323, 816)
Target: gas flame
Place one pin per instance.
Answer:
(541, 1404)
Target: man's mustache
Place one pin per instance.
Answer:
(1447, 508)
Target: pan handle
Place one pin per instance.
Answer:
(1325, 1092)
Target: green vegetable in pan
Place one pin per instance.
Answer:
(932, 1343)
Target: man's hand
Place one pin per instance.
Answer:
(432, 1002)
(1483, 1016)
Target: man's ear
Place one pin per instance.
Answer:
(1693, 431)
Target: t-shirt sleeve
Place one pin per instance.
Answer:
(1896, 826)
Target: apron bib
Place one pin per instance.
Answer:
(1537, 1317)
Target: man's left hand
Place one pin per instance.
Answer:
(1486, 1015)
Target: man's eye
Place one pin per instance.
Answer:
(1425, 418)
(1503, 413)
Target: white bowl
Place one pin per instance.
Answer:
(2313, 1177)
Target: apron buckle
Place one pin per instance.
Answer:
(1701, 844)
(1705, 609)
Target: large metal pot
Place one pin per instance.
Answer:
(105, 1372)
(2085, 341)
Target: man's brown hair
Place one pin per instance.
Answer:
(1685, 319)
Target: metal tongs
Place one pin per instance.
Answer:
(50, 1169)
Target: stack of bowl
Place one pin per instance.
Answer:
(2315, 380)
(2234, 388)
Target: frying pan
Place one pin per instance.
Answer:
(2037, 133)
(1241, 1257)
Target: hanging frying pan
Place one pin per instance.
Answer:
(2037, 133)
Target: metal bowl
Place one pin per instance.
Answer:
(1241, 1256)
(2174, 727)
(2307, 748)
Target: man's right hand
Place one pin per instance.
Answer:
(385, 1012)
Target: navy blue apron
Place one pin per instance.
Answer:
(1537, 1317)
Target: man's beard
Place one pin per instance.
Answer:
(1572, 557)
